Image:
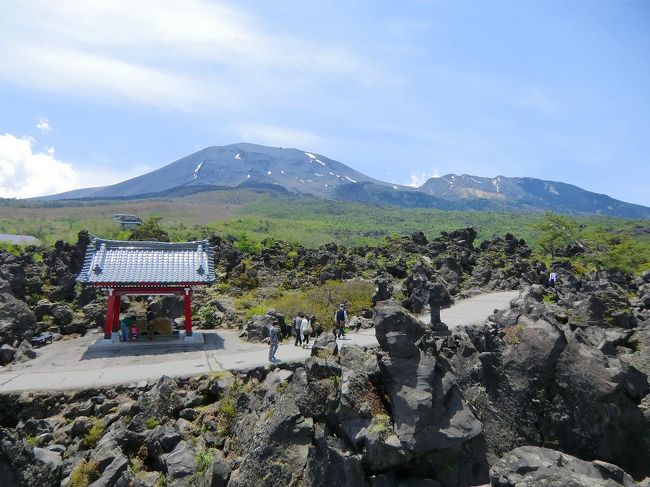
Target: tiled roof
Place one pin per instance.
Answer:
(132, 263)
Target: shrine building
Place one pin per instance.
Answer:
(121, 268)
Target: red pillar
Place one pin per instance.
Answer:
(116, 313)
(110, 313)
(188, 312)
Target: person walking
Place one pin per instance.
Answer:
(273, 343)
(551, 279)
(340, 318)
(150, 317)
(305, 330)
(295, 328)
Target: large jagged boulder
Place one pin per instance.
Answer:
(605, 307)
(383, 291)
(329, 464)
(530, 465)
(534, 380)
(162, 400)
(257, 329)
(277, 447)
(21, 466)
(12, 270)
(17, 321)
(429, 414)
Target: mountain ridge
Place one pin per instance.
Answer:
(305, 173)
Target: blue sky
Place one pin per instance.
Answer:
(97, 92)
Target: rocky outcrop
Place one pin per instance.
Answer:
(17, 321)
(533, 378)
(430, 417)
(529, 465)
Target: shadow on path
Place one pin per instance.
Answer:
(212, 341)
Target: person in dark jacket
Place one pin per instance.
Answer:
(295, 328)
(273, 343)
(340, 318)
(150, 318)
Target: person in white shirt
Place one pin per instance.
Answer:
(305, 329)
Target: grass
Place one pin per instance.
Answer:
(380, 424)
(95, 433)
(512, 334)
(32, 440)
(252, 217)
(549, 298)
(319, 301)
(203, 459)
(84, 474)
(268, 414)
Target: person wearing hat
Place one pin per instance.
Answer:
(340, 319)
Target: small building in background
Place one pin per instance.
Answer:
(19, 239)
(127, 222)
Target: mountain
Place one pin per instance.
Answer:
(238, 165)
(295, 171)
(527, 194)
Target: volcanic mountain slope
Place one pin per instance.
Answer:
(236, 165)
(528, 193)
(305, 173)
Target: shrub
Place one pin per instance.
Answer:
(380, 424)
(209, 315)
(203, 459)
(94, 434)
(84, 474)
(228, 408)
(150, 230)
(511, 334)
(246, 244)
(152, 423)
(32, 440)
(549, 298)
(268, 414)
(322, 301)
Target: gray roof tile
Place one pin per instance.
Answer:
(125, 262)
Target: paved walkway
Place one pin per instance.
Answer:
(77, 364)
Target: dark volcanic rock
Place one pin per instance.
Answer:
(429, 413)
(536, 382)
(16, 319)
(20, 466)
(530, 465)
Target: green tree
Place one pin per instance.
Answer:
(150, 230)
(557, 231)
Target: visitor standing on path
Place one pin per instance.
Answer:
(305, 330)
(124, 328)
(295, 327)
(273, 343)
(150, 317)
(551, 279)
(340, 318)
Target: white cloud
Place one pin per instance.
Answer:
(43, 125)
(25, 173)
(187, 54)
(280, 136)
(418, 179)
